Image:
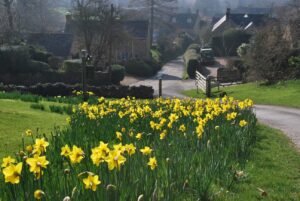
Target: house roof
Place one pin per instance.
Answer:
(242, 20)
(184, 20)
(58, 44)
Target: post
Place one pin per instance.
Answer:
(208, 86)
(83, 64)
(159, 87)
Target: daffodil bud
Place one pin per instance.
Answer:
(67, 171)
(39, 194)
(140, 198)
(67, 198)
(111, 187)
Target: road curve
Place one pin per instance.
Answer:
(282, 118)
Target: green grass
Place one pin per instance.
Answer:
(17, 116)
(284, 93)
(274, 166)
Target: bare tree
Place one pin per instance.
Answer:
(158, 11)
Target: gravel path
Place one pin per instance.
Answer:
(284, 119)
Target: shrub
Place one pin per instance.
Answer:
(117, 73)
(38, 67)
(139, 68)
(14, 59)
(195, 47)
(56, 109)
(39, 54)
(227, 44)
(37, 106)
(243, 49)
(191, 59)
(72, 66)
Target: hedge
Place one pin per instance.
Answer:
(28, 79)
(191, 60)
(139, 68)
(61, 89)
(117, 73)
(72, 66)
(16, 60)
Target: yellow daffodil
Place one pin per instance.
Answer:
(65, 151)
(76, 154)
(99, 153)
(182, 128)
(37, 164)
(7, 161)
(243, 123)
(163, 135)
(146, 150)
(91, 182)
(115, 160)
(152, 163)
(12, 173)
(40, 146)
(139, 136)
(119, 135)
(38, 194)
(28, 132)
(130, 149)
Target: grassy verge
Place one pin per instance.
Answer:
(284, 93)
(274, 167)
(17, 116)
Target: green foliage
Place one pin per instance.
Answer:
(294, 61)
(195, 47)
(39, 54)
(117, 73)
(243, 49)
(72, 66)
(14, 59)
(191, 60)
(37, 106)
(227, 44)
(156, 55)
(139, 68)
(38, 67)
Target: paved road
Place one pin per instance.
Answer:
(284, 119)
(172, 83)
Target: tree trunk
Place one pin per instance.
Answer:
(8, 4)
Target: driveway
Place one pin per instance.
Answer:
(284, 119)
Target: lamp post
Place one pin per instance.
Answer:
(84, 56)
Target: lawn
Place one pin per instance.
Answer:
(284, 93)
(274, 167)
(17, 116)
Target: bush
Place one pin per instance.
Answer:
(56, 109)
(61, 89)
(243, 49)
(39, 54)
(156, 66)
(191, 59)
(72, 66)
(139, 68)
(195, 47)
(117, 73)
(14, 59)
(38, 67)
(37, 106)
(227, 44)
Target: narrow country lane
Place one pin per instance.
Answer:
(282, 118)
(172, 83)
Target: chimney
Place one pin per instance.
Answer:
(227, 13)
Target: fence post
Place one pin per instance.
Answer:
(208, 86)
(159, 87)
